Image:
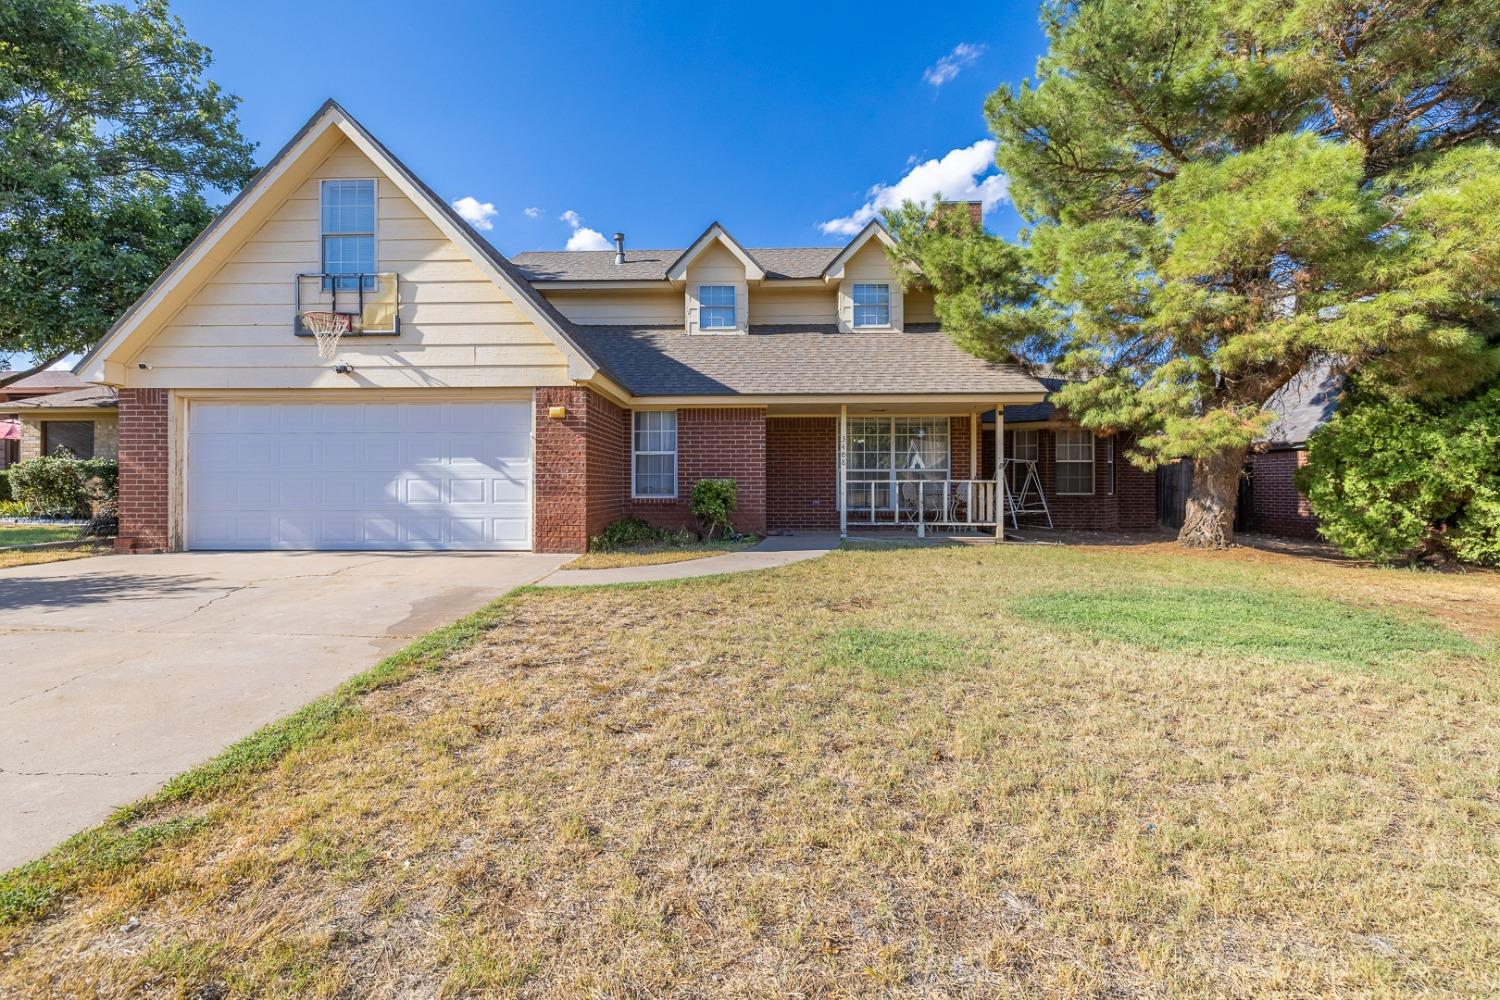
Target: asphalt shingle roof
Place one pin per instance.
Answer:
(651, 265)
(1303, 405)
(100, 397)
(794, 360)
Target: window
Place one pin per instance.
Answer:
(886, 452)
(872, 305)
(1075, 462)
(1109, 460)
(348, 214)
(654, 454)
(75, 436)
(716, 307)
(1025, 447)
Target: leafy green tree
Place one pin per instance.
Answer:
(1219, 192)
(109, 136)
(1393, 478)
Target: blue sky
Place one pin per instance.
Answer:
(777, 120)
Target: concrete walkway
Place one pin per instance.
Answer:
(117, 672)
(778, 550)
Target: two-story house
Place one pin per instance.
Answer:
(478, 402)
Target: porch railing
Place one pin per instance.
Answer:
(949, 503)
(923, 503)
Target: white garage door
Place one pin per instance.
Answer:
(359, 475)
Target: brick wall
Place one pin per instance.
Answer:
(1275, 505)
(958, 447)
(577, 468)
(143, 470)
(720, 443)
(1126, 503)
(802, 474)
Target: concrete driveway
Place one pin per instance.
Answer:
(121, 671)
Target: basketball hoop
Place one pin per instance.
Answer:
(327, 327)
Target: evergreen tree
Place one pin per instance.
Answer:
(1218, 192)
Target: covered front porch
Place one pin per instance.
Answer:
(922, 467)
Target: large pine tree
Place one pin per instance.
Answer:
(1218, 192)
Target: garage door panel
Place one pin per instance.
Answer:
(359, 476)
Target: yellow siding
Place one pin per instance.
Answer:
(770, 304)
(457, 327)
(919, 307)
(626, 307)
(716, 265)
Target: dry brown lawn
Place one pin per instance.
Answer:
(651, 555)
(926, 772)
(36, 557)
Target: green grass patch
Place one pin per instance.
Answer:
(28, 892)
(1237, 621)
(30, 534)
(897, 653)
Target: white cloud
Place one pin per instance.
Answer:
(583, 237)
(479, 214)
(948, 67)
(962, 174)
(532, 213)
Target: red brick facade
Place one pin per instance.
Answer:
(1124, 497)
(802, 474)
(785, 469)
(143, 470)
(1275, 505)
(583, 467)
(723, 443)
(577, 484)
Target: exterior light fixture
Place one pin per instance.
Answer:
(557, 413)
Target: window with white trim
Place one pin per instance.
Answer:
(347, 213)
(1075, 463)
(872, 305)
(653, 460)
(1025, 446)
(885, 453)
(716, 307)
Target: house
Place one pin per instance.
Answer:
(1301, 406)
(478, 402)
(56, 409)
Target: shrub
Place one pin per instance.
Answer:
(5, 486)
(63, 486)
(1393, 479)
(714, 500)
(634, 533)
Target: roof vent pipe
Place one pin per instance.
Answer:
(619, 248)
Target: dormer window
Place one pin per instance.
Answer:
(716, 307)
(872, 305)
(348, 220)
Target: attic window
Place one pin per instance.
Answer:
(716, 307)
(872, 305)
(348, 220)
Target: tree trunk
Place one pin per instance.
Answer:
(1209, 523)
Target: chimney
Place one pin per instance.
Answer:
(619, 248)
(975, 210)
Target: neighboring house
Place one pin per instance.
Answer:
(484, 403)
(51, 410)
(1301, 406)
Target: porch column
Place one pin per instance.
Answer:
(1000, 470)
(974, 444)
(843, 471)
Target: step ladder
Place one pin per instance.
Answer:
(1028, 500)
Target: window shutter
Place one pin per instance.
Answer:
(846, 308)
(692, 310)
(742, 308)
